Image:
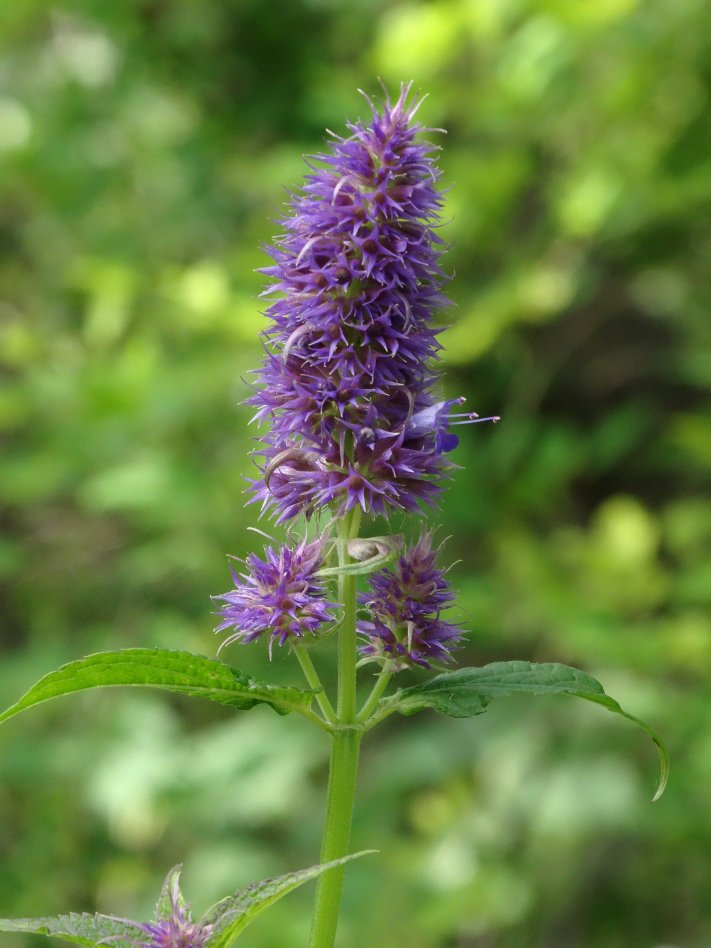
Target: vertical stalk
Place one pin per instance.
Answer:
(336, 835)
(347, 647)
(343, 770)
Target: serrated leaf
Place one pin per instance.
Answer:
(81, 929)
(232, 915)
(174, 671)
(469, 691)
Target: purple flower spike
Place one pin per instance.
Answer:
(279, 595)
(176, 929)
(405, 605)
(347, 381)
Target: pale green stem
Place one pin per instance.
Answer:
(347, 645)
(315, 719)
(378, 717)
(344, 755)
(376, 694)
(312, 677)
(336, 836)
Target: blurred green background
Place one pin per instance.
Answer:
(145, 146)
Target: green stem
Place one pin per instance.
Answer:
(347, 645)
(312, 677)
(344, 755)
(378, 718)
(336, 834)
(376, 694)
(315, 719)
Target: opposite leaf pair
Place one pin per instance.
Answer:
(459, 694)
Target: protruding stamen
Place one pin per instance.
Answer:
(471, 418)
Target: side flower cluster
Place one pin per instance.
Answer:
(405, 603)
(279, 596)
(346, 384)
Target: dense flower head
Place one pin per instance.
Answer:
(347, 380)
(279, 595)
(404, 605)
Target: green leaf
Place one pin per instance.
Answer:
(178, 672)
(81, 929)
(469, 691)
(232, 915)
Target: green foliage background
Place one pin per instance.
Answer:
(144, 149)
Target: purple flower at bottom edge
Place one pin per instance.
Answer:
(278, 595)
(404, 606)
(175, 929)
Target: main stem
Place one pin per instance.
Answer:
(344, 755)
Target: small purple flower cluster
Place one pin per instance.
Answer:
(346, 384)
(278, 595)
(405, 604)
(176, 930)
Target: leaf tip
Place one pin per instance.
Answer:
(664, 767)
